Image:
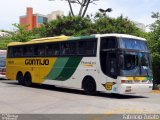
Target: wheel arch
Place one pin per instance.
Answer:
(19, 72)
(27, 73)
(28, 82)
(86, 78)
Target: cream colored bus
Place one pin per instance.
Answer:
(112, 63)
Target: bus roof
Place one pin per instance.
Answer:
(65, 38)
(119, 35)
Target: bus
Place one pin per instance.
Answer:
(3, 64)
(111, 63)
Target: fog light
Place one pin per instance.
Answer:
(128, 89)
(126, 81)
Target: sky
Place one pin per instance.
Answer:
(135, 10)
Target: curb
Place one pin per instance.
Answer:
(155, 91)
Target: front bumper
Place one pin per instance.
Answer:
(2, 76)
(134, 88)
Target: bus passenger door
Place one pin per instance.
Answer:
(111, 65)
(108, 56)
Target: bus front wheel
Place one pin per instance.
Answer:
(28, 79)
(89, 86)
(20, 78)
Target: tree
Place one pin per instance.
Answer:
(4, 41)
(77, 25)
(84, 4)
(154, 44)
(22, 34)
(67, 25)
(156, 24)
(105, 24)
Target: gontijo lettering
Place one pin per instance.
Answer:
(36, 62)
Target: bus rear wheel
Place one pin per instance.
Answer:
(89, 86)
(20, 78)
(28, 80)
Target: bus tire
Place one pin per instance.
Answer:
(19, 78)
(89, 86)
(28, 79)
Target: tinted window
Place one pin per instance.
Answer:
(56, 49)
(39, 50)
(70, 48)
(17, 52)
(87, 47)
(49, 50)
(28, 51)
(10, 52)
(108, 43)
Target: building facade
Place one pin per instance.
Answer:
(32, 20)
(54, 15)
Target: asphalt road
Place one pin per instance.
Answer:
(48, 99)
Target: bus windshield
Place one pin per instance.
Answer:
(135, 60)
(135, 64)
(128, 43)
(2, 60)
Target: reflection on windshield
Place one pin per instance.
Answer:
(135, 44)
(136, 64)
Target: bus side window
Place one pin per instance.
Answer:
(108, 43)
(69, 48)
(81, 47)
(41, 50)
(87, 47)
(56, 49)
(48, 50)
(17, 52)
(65, 49)
(73, 48)
(28, 51)
(10, 52)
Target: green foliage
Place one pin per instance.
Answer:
(74, 26)
(67, 26)
(4, 41)
(121, 25)
(22, 35)
(154, 44)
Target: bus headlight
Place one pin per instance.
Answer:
(126, 81)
